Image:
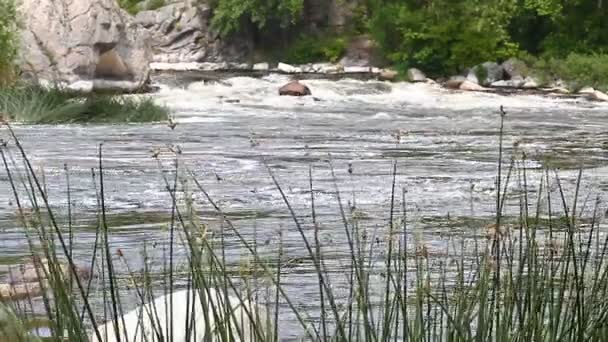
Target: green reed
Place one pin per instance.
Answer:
(538, 275)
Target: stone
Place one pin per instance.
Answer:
(470, 86)
(598, 96)
(516, 82)
(415, 75)
(66, 42)
(388, 75)
(587, 90)
(491, 71)
(28, 272)
(472, 77)
(182, 32)
(240, 315)
(357, 70)
(288, 69)
(514, 68)
(454, 82)
(530, 83)
(294, 88)
(261, 67)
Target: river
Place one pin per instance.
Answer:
(444, 143)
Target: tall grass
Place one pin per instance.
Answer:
(540, 275)
(33, 104)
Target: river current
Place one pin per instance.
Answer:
(444, 144)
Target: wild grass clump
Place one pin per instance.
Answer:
(33, 104)
(542, 277)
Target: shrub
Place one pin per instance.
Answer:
(581, 70)
(311, 49)
(8, 41)
(443, 38)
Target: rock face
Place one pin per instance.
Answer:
(415, 75)
(90, 42)
(181, 33)
(362, 51)
(294, 88)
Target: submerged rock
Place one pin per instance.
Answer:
(64, 42)
(28, 280)
(294, 88)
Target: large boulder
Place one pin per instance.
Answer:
(294, 88)
(181, 33)
(486, 73)
(415, 75)
(92, 43)
(515, 68)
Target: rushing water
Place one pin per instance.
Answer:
(445, 145)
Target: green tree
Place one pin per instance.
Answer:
(230, 16)
(443, 36)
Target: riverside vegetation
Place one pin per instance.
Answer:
(540, 273)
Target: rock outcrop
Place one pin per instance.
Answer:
(181, 33)
(294, 88)
(84, 44)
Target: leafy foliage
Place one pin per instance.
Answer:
(230, 16)
(134, 6)
(309, 48)
(443, 36)
(8, 41)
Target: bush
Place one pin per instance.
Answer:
(34, 104)
(444, 38)
(311, 49)
(8, 41)
(581, 70)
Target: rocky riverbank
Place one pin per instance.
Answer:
(92, 45)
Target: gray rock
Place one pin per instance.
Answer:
(587, 90)
(516, 82)
(514, 67)
(454, 82)
(181, 33)
(294, 88)
(288, 69)
(470, 86)
(598, 96)
(71, 42)
(415, 75)
(388, 75)
(489, 72)
(530, 83)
